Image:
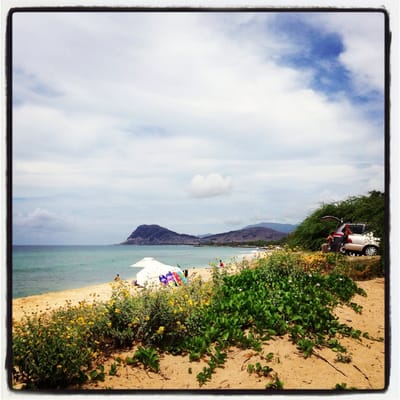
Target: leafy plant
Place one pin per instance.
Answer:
(259, 369)
(343, 386)
(343, 358)
(276, 383)
(113, 369)
(98, 374)
(306, 346)
(217, 359)
(336, 346)
(204, 375)
(148, 357)
(269, 356)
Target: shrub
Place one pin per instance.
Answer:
(148, 357)
(283, 294)
(52, 352)
(122, 311)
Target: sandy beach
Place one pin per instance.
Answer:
(46, 302)
(320, 371)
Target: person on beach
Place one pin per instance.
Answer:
(221, 264)
(117, 278)
(329, 245)
(329, 241)
(346, 232)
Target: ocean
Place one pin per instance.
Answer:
(43, 269)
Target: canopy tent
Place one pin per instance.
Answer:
(152, 269)
(149, 262)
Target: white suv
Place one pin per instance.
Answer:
(360, 241)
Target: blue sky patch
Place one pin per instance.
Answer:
(33, 86)
(315, 50)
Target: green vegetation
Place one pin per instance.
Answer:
(285, 293)
(311, 233)
(148, 357)
(343, 386)
(258, 369)
(254, 243)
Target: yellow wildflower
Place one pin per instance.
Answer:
(160, 330)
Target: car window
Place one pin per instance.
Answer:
(357, 228)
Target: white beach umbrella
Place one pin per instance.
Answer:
(152, 269)
(149, 262)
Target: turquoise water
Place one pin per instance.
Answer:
(43, 269)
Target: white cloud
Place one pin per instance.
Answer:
(41, 220)
(210, 185)
(363, 36)
(123, 117)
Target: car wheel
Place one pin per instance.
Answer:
(370, 251)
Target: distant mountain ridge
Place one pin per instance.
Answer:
(245, 235)
(286, 228)
(155, 234)
(158, 235)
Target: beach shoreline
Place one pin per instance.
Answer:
(43, 269)
(50, 301)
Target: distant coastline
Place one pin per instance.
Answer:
(158, 235)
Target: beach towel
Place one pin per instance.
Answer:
(182, 276)
(163, 279)
(177, 279)
(170, 279)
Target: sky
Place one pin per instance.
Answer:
(201, 122)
